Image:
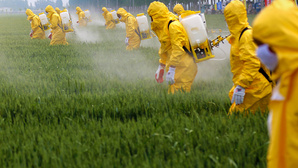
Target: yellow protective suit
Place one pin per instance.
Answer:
(38, 32)
(58, 36)
(244, 63)
(82, 18)
(178, 8)
(132, 29)
(277, 26)
(171, 51)
(110, 22)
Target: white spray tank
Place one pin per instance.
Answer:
(65, 17)
(203, 18)
(195, 29)
(88, 15)
(43, 19)
(66, 22)
(143, 26)
(197, 35)
(115, 17)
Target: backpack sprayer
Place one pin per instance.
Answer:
(66, 22)
(115, 17)
(195, 26)
(44, 21)
(145, 32)
(88, 15)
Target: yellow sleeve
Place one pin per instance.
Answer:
(109, 18)
(54, 21)
(35, 24)
(163, 56)
(81, 16)
(178, 40)
(251, 64)
(130, 26)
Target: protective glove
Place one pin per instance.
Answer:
(50, 36)
(267, 57)
(31, 33)
(238, 95)
(126, 41)
(159, 73)
(170, 76)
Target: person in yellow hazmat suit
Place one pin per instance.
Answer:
(133, 38)
(275, 32)
(57, 34)
(36, 28)
(178, 8)
(252, 81)
(110, 22)
(82, 19)
(180, 66)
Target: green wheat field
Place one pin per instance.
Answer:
(94, 104)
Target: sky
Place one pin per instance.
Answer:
(64, 1)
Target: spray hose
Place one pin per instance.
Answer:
(215, 43)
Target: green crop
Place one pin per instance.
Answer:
(94, 104)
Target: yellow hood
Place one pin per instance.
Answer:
(58, 10)
(178, 9)
(105, 10)
(160, 15)
(79, 10)
(236, 17)
(50, 10)
(280, 30)
(30, 14)
(277, 26)
(123, 13)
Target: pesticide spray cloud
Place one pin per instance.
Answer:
(217, 67)
(135, 65)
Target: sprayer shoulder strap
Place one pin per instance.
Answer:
(138, 32)
(184, 48)
(171, 21)
(243, 32)
(40, 26)
(261, 70)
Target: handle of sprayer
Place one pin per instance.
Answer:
(213, 44)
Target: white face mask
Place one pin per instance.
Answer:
(268, 58)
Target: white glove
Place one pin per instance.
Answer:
(238, 95)
(268, 58)
(126, 41)
(170, 76)
(159, 73)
